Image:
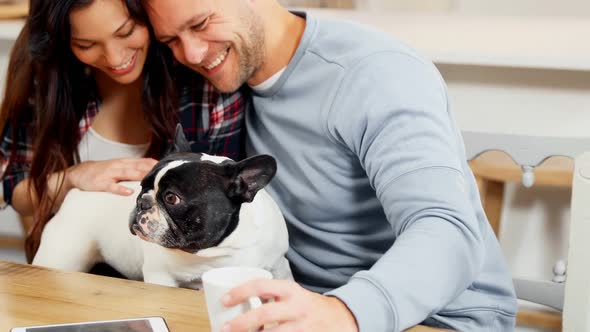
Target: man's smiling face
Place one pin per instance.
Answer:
(221, 39)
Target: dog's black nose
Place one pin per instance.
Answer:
(145, 203)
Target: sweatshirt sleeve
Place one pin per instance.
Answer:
(392, 112)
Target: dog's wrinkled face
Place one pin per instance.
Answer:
(191, 201)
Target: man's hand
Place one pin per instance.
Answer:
(105, 175)
(294, 309)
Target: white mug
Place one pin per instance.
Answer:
(218, 281)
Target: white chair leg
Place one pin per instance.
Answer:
(576, 315)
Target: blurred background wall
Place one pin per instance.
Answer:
(485, 7)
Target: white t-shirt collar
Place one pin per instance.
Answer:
(269, 82)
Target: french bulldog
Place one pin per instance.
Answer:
(194, 212)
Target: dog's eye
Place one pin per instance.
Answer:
(171, 199)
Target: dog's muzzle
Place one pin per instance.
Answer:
(145, 202)
(146, 221)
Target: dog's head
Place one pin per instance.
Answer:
(191, 201)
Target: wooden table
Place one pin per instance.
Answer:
(31, 295)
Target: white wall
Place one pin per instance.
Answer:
(9, 224)
(524, 7)
(409, 5)
(485, 7)
(5, 46)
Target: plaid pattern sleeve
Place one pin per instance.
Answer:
(14, 172)
(18, 169)
(212, 121)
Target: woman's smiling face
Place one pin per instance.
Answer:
(105, 37)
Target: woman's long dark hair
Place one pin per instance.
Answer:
(46, 81)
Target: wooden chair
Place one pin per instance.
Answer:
(14, 10)
(494, 169)
(526, 154)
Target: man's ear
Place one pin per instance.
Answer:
(249, 176)
(180, 144)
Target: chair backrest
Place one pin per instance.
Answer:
(526, 151)
(573, 297)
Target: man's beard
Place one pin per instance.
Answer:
(252, 51)
(249, 49)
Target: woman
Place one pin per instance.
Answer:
(89, 102)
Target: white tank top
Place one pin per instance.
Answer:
(95, 147)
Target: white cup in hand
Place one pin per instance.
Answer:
(217, 282)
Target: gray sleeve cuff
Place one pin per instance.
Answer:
(369, 304)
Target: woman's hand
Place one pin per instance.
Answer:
(105, 175)
(294, 309)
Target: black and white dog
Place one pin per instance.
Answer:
(194, 212)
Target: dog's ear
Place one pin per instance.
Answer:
(249, 176)
(180, 143)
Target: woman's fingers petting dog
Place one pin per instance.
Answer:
(105, 175)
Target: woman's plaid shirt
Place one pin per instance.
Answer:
(212, 122)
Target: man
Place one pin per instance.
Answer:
(383, 211)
